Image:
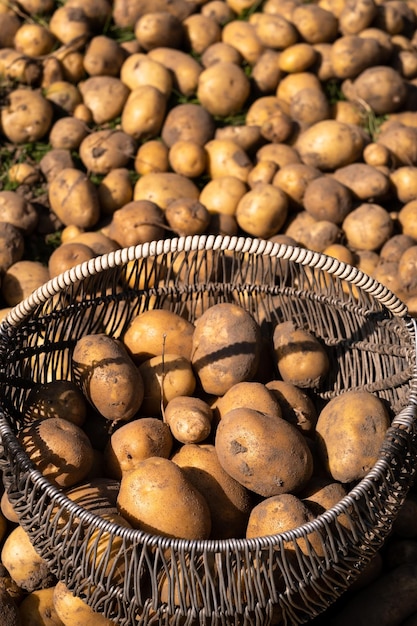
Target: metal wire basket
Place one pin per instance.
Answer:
(371, 342)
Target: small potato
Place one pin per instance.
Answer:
(201, 31)
(367, 227)
(266, 72)
(213, 91)
(400, 140)
(105, 150)
(59, 449)
(297, 58)
(262, 211)
(262, 173)
(158, 29)
(229, 502)
(67, 255)
(65, 96)
(156, 330)
(351, 429)
(33, 40)
(281, 513)
(26, 568)
(404, 180)
(163, 188)
(143, 112)
(157, 497)
(137, 222)
(73, 197)
(152, 156)
(226, 157)
(291, 84)
(188, 122)
(115, 190)
(248, 394)
(222, 194)
(54, 161)
(21, 279)
(189, 419)
(296, 406)
(328, 144)
(220, 51)
(187, 217)
(135, 441)
(58, 398)
(165, 377)
(308, 107)
(104, 56)
(185, 69)
(264, 453)
(221, 359)
(139, 70)
(242, 36)
(187, 158)
(108, 376)
(273, 30)
(105, 96)
(326, 198)
(366, 182)
(301, 359)
(67, 133)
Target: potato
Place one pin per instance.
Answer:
(407, 219)
(367, 227)
(381, 87)
(26, 116)
(135, 441)
(273, 30)
(262, 211)
(201, 31)
(404, 181)
(165, 376)
(296, 406)
(329, 145)
(364, 181)
(262, 173)
(226, 157)
(67, 133)
(21, 279)
(221, 359)
(222, 194)
(143, 112)
(103, 57)
(12, 246)
(7, 514)
(105, 96)
(218, 10)
(350, 431)
(308, 107)
(97, 241)
(264, 453)
(322, 494)
(301, 358)
(152, 156)
(58, 398)
(23, 174)
(220, 51)
(355, 16)
(163, 188)
(312, 233)
(136, 222)
(154, 331)
(279, 153)
(187, 217)
(158, 29)
(213, 88)
(37, 608)
(54, 161)
(291, 84)
(406, 268)
(67, 255)
(108, 376)
(266, 72)
(105, 150)
(229, 502)
(394, 247)
(115, 190)
(71, 608)
(59, 448)
(242, 36)
(248, 394)
(327, 198)
(26, 568)
(352, 54)
(281, 513)
(189, 419)
(315, 24)
(157, 497)
(139, 70)
(32, 40)
(68, 23)
(65, 96)
(188, 122)
(73, 198)
(187, 158)
(185, 69)
(297, 58)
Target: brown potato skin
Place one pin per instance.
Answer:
(99, 360)
(221, 359)
(264, 453)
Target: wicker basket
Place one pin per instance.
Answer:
(371, 343)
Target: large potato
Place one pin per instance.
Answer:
(264, 453)
(26, 116)
(213, 88)
(108, 376)
(226, 347)
(74, 199)
(105, 150)
(350, 430)
(158, 497)
(143, 112)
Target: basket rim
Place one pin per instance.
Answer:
(122, 256)
(298, 254)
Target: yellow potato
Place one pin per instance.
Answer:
(165, 377)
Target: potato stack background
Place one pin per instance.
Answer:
(128, 121)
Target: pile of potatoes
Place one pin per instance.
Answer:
(127, 121)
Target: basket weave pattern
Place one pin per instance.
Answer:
(371, 344)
